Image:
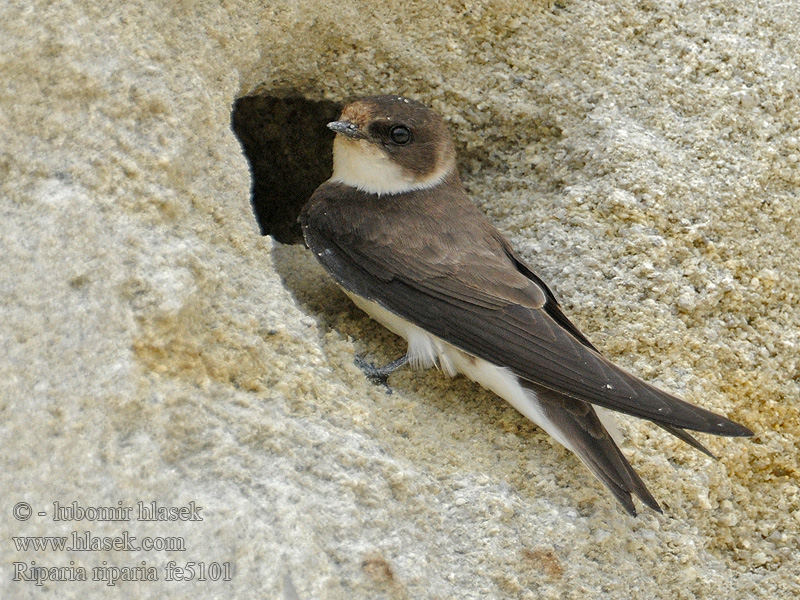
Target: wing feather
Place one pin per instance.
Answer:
(471, 290)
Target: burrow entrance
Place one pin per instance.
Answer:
(289, 150)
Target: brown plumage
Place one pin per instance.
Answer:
(411, 242)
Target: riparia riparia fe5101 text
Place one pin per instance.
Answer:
(397, 232)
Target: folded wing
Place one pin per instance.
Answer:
(480, 297)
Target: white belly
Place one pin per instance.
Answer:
(426, 350)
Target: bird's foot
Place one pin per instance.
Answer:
(380, 374)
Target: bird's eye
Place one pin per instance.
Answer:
(400, 134)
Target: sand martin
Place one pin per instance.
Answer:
(396, 230)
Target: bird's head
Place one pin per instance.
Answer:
(390, 145)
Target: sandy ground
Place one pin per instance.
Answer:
(644, 157)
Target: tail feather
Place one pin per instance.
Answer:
(686, 437)
(586, 436)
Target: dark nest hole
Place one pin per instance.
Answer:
(289, 149)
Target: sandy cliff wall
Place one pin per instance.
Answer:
(643, 156)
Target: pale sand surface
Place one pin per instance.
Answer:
(642, 155)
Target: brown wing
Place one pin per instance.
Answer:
(449, 271)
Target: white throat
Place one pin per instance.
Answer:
(364, 166)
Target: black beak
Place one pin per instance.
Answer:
(347, 128)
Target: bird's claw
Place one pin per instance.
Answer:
(380, 375)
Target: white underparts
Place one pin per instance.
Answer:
(363, 165)
(609, 421)
(426, 350)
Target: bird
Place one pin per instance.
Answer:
(396, 230)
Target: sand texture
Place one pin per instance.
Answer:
(643, 156)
